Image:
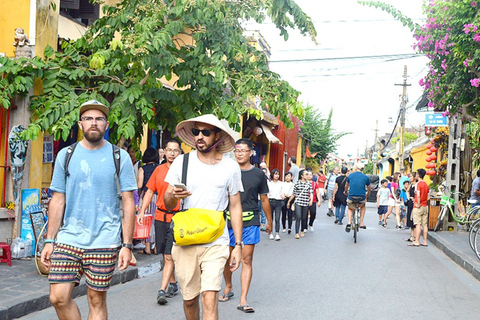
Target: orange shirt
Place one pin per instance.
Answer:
(421, 189)
(157, 184)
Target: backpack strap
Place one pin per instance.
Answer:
(68, 157)
(184, 170)
(116, 160)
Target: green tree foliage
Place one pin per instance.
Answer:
(450, 38)
(124, 55)
(318, 133)
(368, 168)
(409, 138)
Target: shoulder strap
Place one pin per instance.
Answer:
(116, 160)
(68, 157)
(185, 168)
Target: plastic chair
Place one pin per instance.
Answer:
(7, 254)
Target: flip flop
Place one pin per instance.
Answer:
(226, 297)
(144, 252)
(424, 245)
(413, 245)
(246, 308)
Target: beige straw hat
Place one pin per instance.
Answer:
(225, 144)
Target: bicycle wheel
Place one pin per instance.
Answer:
(476, 243)
(440, 217)
(355, 226)
(471, 234)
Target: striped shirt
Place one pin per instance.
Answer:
(302, 192)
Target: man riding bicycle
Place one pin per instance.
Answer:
(355, 187)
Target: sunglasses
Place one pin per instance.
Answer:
(205, 132)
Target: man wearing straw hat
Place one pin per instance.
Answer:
(213, 182)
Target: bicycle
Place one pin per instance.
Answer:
(356, 221)
(447, 203)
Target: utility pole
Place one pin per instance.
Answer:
(403, 109)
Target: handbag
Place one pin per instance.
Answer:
(196, 225)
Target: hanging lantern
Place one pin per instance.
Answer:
(428, 159)
(429, 145)
(257, 131)
(429, 152)
(433, 157)
(431, 172)
(433, 149)
(430, 165)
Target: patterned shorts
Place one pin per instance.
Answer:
(69, 263)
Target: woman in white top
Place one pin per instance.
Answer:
(287, 191)
(276, 200)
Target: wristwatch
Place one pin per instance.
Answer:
(239, 244)
(128, 246)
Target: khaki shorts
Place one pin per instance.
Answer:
(420, 216)
(353, 205)
(199, 268)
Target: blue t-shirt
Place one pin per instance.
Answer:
(402, 180)
(357, 181)
(92, 218)
(403, 196)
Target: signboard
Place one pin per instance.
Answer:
(30, 204)
(435, 120)
(47, 149)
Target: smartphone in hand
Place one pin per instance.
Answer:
(180, 186)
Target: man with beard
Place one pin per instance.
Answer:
(254, 185)
(294, 169)
(90, 237)
(213, 182)
(163, 218)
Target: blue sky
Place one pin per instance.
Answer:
(353, 70)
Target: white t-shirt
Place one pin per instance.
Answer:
(210, 185)
(287, 188)
(275, 190)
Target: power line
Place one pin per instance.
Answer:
(387, 56)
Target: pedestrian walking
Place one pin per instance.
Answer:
(394, 201)
(303, 195)
(330, 185)
(382, 201)
(294, 169)
(312, 209)
(255, 185)
(85, 225)
(321, 184)
(276, 201)
(213, 182)
(339, 197)
(163, 218)
(411, 197)
(420, 214)
(287, 213)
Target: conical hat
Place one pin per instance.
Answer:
(184, 131)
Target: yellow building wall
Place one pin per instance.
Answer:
(13, 14)
(419, 154)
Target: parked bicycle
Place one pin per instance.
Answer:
(447, 203)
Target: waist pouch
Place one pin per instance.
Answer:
(246, 216)
(356, 198)
(197, 226)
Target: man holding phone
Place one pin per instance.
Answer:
(163, 217)
(213, 182)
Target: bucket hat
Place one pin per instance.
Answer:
(94, 104)
(225, 144)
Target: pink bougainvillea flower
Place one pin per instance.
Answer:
(465, 63)
(476, 37)
(475, 82)
(473, 4)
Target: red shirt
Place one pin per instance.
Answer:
(157, 184)
(321, 181)
(315, 186)
(421, 189)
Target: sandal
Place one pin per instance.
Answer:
(226, 297)
(246, 308)
(144, 252)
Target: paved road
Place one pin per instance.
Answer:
(326, 276)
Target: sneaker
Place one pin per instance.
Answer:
(380, 223)
(336, 221)
(172, 290)
(161, 297)
(340, 223)
(271, 236)
(302, 234)
(305, 230)
(262, 227)
(407, 228)
(348, 227)
(277, 237)
(297, 236)
(384, 226)
(311, 229)
(284, 230)
(398, 227)
(289, 231)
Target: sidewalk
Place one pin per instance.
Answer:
(23, 290)
(456, 246)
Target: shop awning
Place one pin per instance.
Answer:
(70, 29)
(269, 135)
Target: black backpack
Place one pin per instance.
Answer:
(116, 160)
